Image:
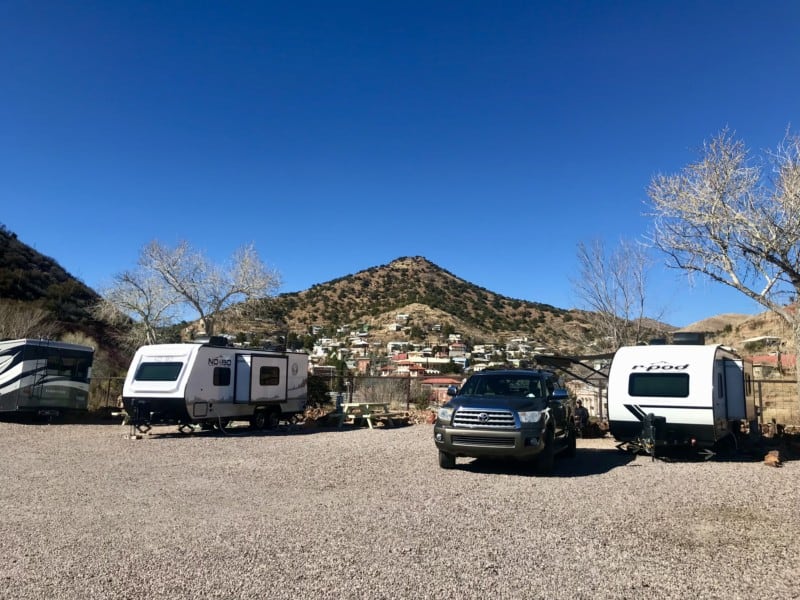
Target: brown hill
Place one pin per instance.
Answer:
(39, 298)
(424, 302)
(738, 330)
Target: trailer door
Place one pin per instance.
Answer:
(734, 390)
(268, 379)
(719, 393)
(242, 393)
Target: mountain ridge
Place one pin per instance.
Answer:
(420, 298)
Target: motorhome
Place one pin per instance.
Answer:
(44, 377)
(210, 384)
(693, 395)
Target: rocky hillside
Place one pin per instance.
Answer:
(736, 329)
(434, 301)
(38, 298)
(28, 276)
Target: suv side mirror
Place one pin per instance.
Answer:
(452, 390)
(559, 394)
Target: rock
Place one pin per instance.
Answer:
(773, 459)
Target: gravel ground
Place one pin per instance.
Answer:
(88, 513)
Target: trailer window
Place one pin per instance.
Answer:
(158, 371)
(269, 376)
(222, 376)
(672, 385)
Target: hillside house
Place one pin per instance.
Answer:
(457, 350)
(773, 365)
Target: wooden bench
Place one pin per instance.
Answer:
(371, 412)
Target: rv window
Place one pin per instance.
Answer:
(672, 385)
(222, 376)
(159, 371)
(65, 366)
(269, 376)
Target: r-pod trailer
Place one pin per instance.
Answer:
(679, 395)
(210, 384)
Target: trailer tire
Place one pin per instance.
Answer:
(273, 419)
(259, 420)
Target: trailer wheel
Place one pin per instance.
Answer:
(259, 420)
(273, 419)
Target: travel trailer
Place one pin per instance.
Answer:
(211, 384)
(44, 377)
(678, 395)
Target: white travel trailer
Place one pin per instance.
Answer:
(209, 383)
(692, 395)
(44, 377)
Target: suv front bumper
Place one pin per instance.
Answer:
(461, 441)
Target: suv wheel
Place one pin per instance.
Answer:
(571, 443)
(547, 457)
(447, 461)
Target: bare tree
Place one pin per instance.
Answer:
(21, 319)
(736, 222)
(207, 288)
(142, 297)
(614, 287)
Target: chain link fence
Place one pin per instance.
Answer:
(401, 393)
(105, 393)
(777, 400)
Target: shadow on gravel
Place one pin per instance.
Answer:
(233, 431)
(28, 418)
(587, 461)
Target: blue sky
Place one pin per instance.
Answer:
(489, 137)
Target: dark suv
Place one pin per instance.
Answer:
(523, 414)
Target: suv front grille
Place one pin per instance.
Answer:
(484, 419)
(483, 440)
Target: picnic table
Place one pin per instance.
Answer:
(371, 412)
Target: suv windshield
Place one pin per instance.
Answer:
(505, 385)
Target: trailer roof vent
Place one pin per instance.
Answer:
(689, 338)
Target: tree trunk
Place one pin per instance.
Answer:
(796, 331)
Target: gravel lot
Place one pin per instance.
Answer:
(87, 513)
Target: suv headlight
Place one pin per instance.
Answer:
(445, 414)
(530, 416)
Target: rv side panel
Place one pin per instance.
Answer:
(199, 383)
(44, 376)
